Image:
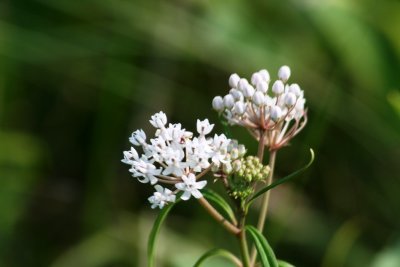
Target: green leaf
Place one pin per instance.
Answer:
(282, 180)
(265, 251)
(218, 252)
(282, 263)
(154, 232)
(221, 202)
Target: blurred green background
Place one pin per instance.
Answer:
(77, 77)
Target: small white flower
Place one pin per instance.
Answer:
(190, 187)
(233, 80)
(144, 168)
(129, 155)
(138, 138)
(161, 197)
(204, 127)
(284, 73)
(278, 87)
(159, 120)
(218, 103)
(258, 98)
(276, 113)
(229, 101)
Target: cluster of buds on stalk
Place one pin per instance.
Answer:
(175, 158)
(272, 115)
(249, 171)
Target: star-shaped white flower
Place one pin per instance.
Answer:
(138, 138)
(190, 187)
(204, 127)
(161, 197)
(129, 156)
(159, 120)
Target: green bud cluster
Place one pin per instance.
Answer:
(252, 170)
(249, 171)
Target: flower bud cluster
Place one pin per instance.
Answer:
(175, 158)
(260, 107)
(251, 171)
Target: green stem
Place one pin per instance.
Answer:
(244, 250)
(217, 216)
(265, 201)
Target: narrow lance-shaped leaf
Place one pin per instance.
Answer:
(220, 201)
(154, 232)
(265, 251)
(218, 252)
(282, 180)
(282, 263)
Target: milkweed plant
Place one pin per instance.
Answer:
(180, 164)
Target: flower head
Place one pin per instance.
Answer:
(175, 157)
(279, 111)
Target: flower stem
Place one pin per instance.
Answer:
(265, 201)
(261, 146)
(217, 216)
(244, 250)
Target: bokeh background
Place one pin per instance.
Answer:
(77, 77)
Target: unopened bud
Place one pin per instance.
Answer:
(233, 80)
(295, 89)
(214, 168)
(239, 108)
(237, 95)
(218, 103)
(278, 87)
(227, 168)
(258, 98)
(284, 73)
(256, 78)
(265, 75)
(229, 101)
(248, 91)
(262, 87)
(234, 153)
(236, 165)
(290, 99)
(242, 150)
(276, 113)
(242, 84)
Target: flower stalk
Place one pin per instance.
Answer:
(264, 203)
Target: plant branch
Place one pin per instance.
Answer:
(244, 249)
(217, 216)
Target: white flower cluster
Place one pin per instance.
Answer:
(176, 158)
(278, 110)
